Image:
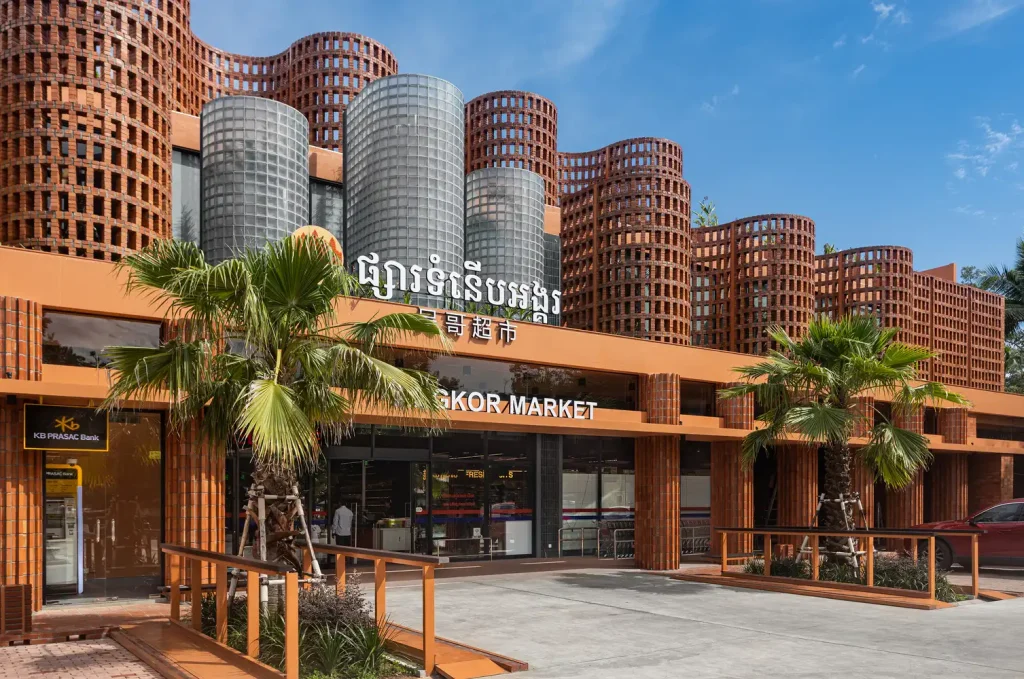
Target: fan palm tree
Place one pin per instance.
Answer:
(808, 390)
(261, 355)
(1008, 282)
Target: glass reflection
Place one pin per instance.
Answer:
(78, 340)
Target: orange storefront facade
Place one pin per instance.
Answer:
(640, 417)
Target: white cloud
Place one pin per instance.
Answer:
(901, 17)
(840, 42)
(588, 25)
(882, 10)
(711, 105)
(867, 38)
(998, 146)
(857, 71)
(969, 210)
(970, 14)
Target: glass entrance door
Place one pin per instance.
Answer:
(118, 554)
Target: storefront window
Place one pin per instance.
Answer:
(597, 485)
(79, 340)
(608, 390)
(511, 470)
(695, 496)
(103, 529)
(458, 493)
(697, 398)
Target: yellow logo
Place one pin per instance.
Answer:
(66, 424)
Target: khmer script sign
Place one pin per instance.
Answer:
(465, 285)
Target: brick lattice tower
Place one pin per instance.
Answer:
(511, 128)
(626, 240)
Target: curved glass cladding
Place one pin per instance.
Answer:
(505, 223)
(255, 174)
(404, 173)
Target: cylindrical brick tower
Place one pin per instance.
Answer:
(518, 129)
(505, 223)
(626, 240)
(85, 94)
(870, 281)
(749, 275)
(319, 75)
(255, 174)
(404, 173)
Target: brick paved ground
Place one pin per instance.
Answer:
(97, 659)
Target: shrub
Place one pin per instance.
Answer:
(322, 606)
(890, 571)
(787, 567)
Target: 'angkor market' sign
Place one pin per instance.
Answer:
(457, 285)
(486, 402)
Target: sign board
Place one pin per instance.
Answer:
(62, 480)
(65, 428)
(487, 402)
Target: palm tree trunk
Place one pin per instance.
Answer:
(276, 532)
(837, 484)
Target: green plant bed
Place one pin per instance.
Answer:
(890, 571)
(337, 637)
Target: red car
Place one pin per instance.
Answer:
(1002, 544)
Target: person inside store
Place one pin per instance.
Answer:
(341, 526)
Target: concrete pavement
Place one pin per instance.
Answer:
(609, 623)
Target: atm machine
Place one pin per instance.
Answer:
(64, 554)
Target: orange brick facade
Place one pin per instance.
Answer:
(749, 275)
(21, 507)
(626, 240)
(657, 478)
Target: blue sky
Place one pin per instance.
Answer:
(886, 121)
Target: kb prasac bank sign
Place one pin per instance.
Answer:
(533, 406)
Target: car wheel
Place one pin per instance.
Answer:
(943, 555)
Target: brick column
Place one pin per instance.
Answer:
(990, 480)
(656, 489)
(905, 507)
(21, 471)
(732, 496)
(947, 477)
(862, 479)
(21, 339)
(194, 493)
(797, 486)
(732, 485)
(947, 482)
(21, 507)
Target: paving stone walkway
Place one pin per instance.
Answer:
(95, 659)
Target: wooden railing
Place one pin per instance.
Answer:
(177, 557)
(866, 540)
(380, 559)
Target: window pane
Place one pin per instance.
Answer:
(73, 339)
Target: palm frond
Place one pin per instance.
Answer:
(281, 432)
(392, 328)
(819, 423)
(896, 454)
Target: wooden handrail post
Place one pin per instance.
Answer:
(767, 553)
(913, 549)
(428, 620)
(725, 549)
(252, 607)
(931, 566)
(222, 603)
(379, 582)
(975, 584)
(340, 571)
(174, 566)
(196, 585)
(291, 625)
(815, 565)
(869, 555)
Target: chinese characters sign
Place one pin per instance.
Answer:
(485, 328)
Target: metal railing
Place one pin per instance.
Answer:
(380, 559)
(866, 540)
(695, 538)
(177, 557)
